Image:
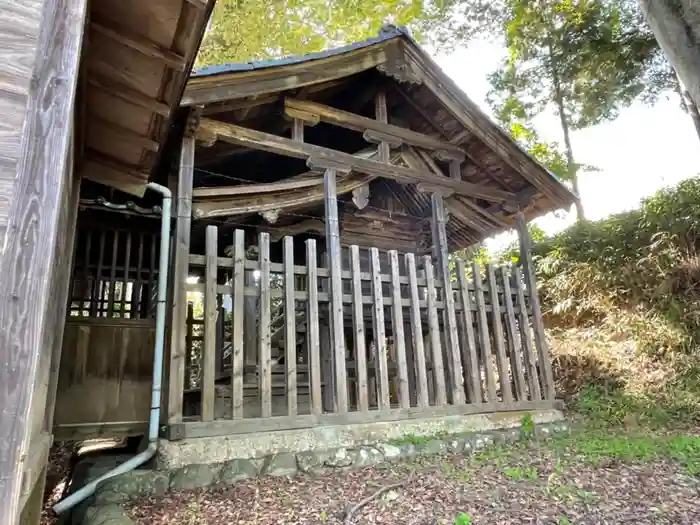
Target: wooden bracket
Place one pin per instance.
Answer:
(426, 187)
(193, 121)
(377, 137)
(449, 156)
(307, 118)
(320, 165)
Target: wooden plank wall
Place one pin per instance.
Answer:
(395, 317)
(41, 41)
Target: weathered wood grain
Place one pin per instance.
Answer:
(283, 146)
(210, 308)
(472, 376)
(434, 331)
(312, 329)
(264, 350)
(454, 363)
(484, 340)
(181, 247)
(290, 329)
(497, 325)
(237, 315)
(417, 333)
(383, 397)
(336, 291)
(358, 322)
(514, 344)
(545, 364)
(397, 329)
(43, 67)
(533, 380)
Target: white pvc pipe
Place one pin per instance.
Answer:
(154, 419)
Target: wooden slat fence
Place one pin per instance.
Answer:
(396, 351)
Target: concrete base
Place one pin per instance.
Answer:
(221, 449)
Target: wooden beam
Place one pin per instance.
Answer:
(199, 4)
(359, 123)
(119, 132)
(284, 146)
(130, 95)
(181, 247)
(336, 282)
(254, 189)
(140, 44)
(242, 103)
(545, 364)
(36, 221)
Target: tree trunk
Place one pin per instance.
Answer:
(570, 163)
(676, 25)
(687, 103)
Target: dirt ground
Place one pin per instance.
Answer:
(530, 483)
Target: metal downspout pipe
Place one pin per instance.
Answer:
(154, 419)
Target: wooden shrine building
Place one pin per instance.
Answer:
(319, 199)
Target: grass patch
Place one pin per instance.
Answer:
(521, 473)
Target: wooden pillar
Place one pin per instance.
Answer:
(545, 364)
(180, 272)
(454, 362)
(335, 307)
(40, 73)
(250, 329)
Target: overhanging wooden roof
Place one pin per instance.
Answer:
(423, 99)
(136, 58)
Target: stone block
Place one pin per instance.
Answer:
(366, 456)
(111, 514)
(132, 485)
(194, 477)
(339, 458)
(311, 462)
(280, 465)
(390, 452)
(237, 470)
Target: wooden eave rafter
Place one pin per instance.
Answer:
(242, 84)
(318, 155)
(362, 124)
(481, 127)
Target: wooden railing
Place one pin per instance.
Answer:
(399, 361)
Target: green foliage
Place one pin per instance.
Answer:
(642, 265)
(463, 519)
(256, 29)
(527, 426)
(520, 473)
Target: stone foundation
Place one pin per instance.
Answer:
(220, 449)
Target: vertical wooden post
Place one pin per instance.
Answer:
(382, 115)
(513, 338)
(397, 323)
(176, 377)
(483, 323)
(237, 315)
(209, 347)
(454, 363)
(434, 328)
(473, 371)
(381, 365)
(501, 361)
(312, 332)
(188, 344)
(524, 322)
(537, 323)
(417, 334)
(250, 322)
(358, 323)
(290, 331)
(265, 351)
(336, 290)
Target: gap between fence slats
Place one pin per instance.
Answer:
(525, 337)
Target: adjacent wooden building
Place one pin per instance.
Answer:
(318, 202)
(88, 91)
